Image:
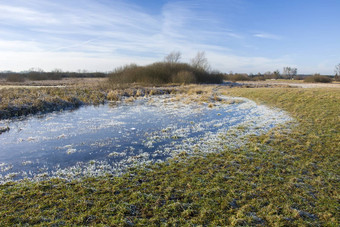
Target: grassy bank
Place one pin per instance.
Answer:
(281, 178)
(16, 102)
(20, 101)
(47, 96)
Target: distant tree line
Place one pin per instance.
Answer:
(288, 73)
(37, 74)
(170, 70)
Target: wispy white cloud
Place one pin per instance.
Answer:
(234, 35)
(77, 45)
(101, 35)
(267, 36)
(17, 45)
(67, 61)
(10, 14)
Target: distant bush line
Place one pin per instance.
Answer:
(318, 79)
(163, 73)
(21, 77)
(15, 78)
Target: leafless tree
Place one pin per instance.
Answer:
(173, 57)
(337, 70)
(289, 72)
(276, 74)
(200, 61)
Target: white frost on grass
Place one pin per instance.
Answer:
(71, 151)
(177, 138)
(4, 167)
(214, 134)
(149, 130)
(24, 163)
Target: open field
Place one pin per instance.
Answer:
(91, 82)
(293, 83)
(287, 177)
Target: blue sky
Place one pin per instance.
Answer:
(237, 35)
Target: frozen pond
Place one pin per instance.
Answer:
(96, 140)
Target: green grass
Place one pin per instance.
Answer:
(283, 178)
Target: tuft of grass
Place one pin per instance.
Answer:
(4, 129)
(282, 178)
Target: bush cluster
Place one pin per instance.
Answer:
(44, 76)
(257, 77)
(237, 77)
(14, 77)
(162, 73)
(318, 79)
(40, 75)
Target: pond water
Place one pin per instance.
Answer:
(106, 139)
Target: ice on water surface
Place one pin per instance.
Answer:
(96, 140)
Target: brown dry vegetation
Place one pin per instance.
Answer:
(92, 82)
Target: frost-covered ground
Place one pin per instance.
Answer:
(107, 139)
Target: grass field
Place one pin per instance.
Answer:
(284, 178)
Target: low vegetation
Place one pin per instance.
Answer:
(287, 177)
(317, 78)
(13, 77)
(163, 73)
(41, 75)
(16, 102)
(44, 76)
(237, 77)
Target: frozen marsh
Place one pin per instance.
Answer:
(107, 139)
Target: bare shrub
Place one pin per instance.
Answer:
(44, 76)
(237, 77)
(162, 73)
(184, 77)
(317, 78)
(15, 78)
